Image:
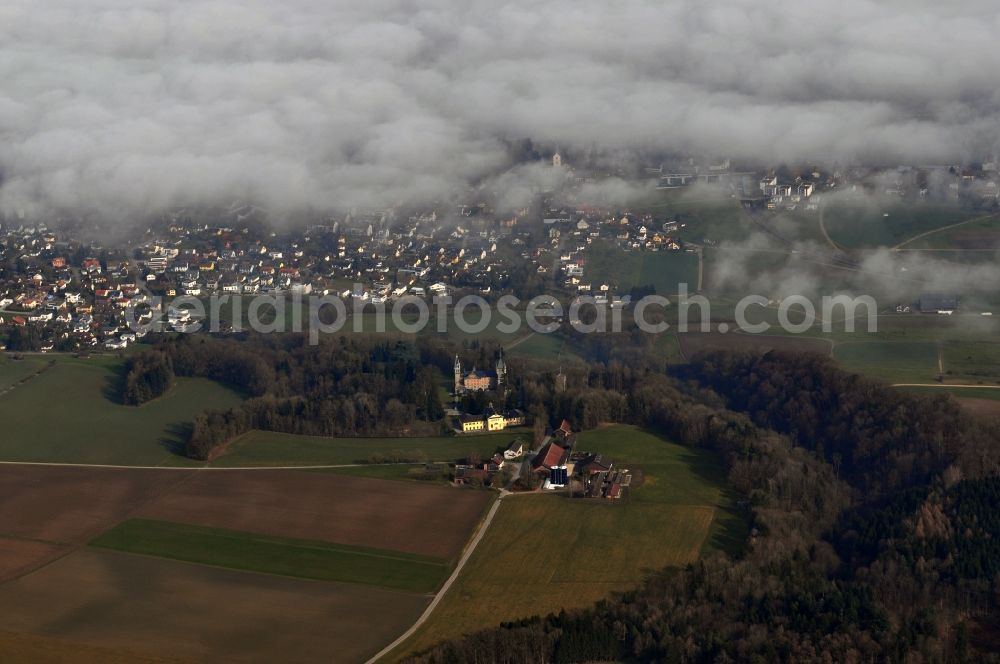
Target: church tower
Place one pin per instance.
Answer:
(560, 381)
(501, 374)
(557, 159)
(458, 377)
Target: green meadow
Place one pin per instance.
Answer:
(269, 448)
(70, 413)
(623, 270)
(886, 223)
(890, 361)
(308, 559)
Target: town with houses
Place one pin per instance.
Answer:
(65, 290)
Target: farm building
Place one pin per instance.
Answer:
(608, 484)
(548, 457)
(936, 303)
(479, 473)
(593, 463)
(466, 475)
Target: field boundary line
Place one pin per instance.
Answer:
(447, 584)
(946, 385)
(521, 340)
(943, 228)
(826, 236)
(58, 464)
(826, 340)
(257, 538)
(27, 379)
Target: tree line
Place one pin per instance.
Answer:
(341, 387)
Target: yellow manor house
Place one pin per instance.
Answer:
(492, 422)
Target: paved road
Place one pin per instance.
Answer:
(447, 584)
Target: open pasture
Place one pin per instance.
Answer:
(269, 448)
(623, 270)
(890, 361)
(70, 413)
(692, 343)
(875, 223)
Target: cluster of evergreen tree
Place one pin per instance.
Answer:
(211, 430)
(354, 387)
(147, 375)
(238, 365)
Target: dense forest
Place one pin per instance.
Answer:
(362, 386)
(876, 534)
(340, 387)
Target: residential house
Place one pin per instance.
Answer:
(515, 450)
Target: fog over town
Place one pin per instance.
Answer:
(130, 107)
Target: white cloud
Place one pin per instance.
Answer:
(127, 106)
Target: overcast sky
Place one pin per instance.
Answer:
(132, 105)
